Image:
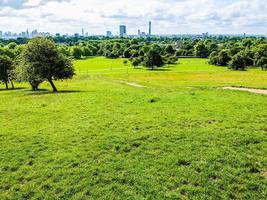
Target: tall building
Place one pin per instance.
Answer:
(109, 34)
(1, 33)
(123, 30)
(82, 32)
(139, 32)
(150, 29)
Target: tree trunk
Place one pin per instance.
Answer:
(12, 84)
(6, 85)
(52, 85)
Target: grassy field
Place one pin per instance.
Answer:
(114, 132)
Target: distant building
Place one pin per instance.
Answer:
(123, 30)
(109, 34)
(82, 32)
(1, 33)
(34, 33)
(57, 34)
(76, 35)
(139, 32)
(150, 29)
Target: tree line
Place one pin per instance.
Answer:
(49, 59)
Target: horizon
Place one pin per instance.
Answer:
(171, 17)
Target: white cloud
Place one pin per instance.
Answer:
(168, 16)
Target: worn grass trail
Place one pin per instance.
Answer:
(104, 139)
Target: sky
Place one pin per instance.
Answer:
(167, 16)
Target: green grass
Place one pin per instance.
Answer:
(180, 137)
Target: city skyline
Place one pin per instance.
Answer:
(168, 17)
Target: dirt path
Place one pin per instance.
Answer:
(135, 85)
(132, 84)
(257, 91)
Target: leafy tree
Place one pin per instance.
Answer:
(239, 61)
(6, 70)
(136, 62)
(86, 51)
(127, 53)
(42, 60)
(76, 52)
(134, 54)
(201, 50)
(221, 59)
(153, 59)
(169, 49)
(262, 62)
(12, 45)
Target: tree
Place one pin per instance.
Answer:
(201, 50)
(136, 62)
(76, 52)
(153, 59)
(127, 53)
(262, 62)
(12, 45)
(221, 59)
(6, 70)
(26, 72)
(86, 51)
(43, 61)
(169, 49)
(239, 61)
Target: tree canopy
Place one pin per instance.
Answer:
(41, 60)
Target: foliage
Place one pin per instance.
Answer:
(76, 52)
(41, 60)
(201, 50)
(6, 70)
(153, 59)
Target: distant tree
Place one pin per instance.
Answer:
(12, 45)
(169, 49)
(127, 53)
(134, 53)
(86, 51)
(156, 48)
(262, 62)
(6, 71)
(239, 61)
(221, 59)
(64, 50)
(76, 52)
(201, 50)
(153, 59)
(42, 60)
(136, 62)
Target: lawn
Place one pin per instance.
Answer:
(114, 132)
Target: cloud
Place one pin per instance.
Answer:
(168, 16)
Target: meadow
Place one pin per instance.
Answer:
(114, 132)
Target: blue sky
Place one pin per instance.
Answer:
(167, 16)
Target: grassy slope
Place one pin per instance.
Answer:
(180, 137)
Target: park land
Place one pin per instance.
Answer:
(115, 132)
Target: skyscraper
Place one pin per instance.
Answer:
(82, 32)
(109, 34)
(122, 30)
(150, 28)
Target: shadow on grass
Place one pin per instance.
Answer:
(160, 70)
(46, 91)
(12, 89)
